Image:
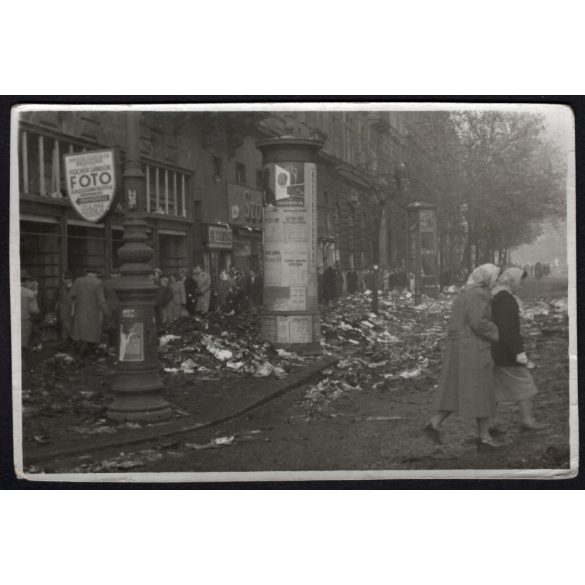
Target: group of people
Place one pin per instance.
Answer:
(331, 282)
(485, 360)
(87, 308)
(538, 270)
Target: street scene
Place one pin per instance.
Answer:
(293, 290)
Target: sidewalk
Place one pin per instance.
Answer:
(71, 420)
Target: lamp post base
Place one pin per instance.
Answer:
(139, 408)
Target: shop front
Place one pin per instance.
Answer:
(217, 254)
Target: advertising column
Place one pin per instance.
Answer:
(291, 308)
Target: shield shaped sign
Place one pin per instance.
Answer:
(91, 183)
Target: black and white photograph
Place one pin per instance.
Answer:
(293, 291)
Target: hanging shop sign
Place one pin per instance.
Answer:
(219, 237)
(245, 205)
(90, 179)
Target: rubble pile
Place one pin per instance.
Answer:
(400, 345)
(223, 343)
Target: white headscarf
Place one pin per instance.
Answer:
(510, 281)
(486, 274)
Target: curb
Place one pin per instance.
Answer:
(176, 427)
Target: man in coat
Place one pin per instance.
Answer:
(329, 285)
(203, 281)
(254, 290)
(63, 308)
(90, 307)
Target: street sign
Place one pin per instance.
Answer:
(90, 179)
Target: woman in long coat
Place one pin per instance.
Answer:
(90, 307)
(512, 378)
(466, 385)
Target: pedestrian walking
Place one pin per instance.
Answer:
(203, 281)
(512, 378)
(89, 309)
(466, 384)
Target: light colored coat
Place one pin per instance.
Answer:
(466, 385)
(28, 307)
(203, 281)
(90, 305)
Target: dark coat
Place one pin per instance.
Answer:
(113, 319)
(352, 282)
(191, 295)
(506, 315)
(63, 309)
(254, 289)
(329, 284)
(466, 384)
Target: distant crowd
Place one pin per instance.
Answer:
(538, 270)
(86, 309)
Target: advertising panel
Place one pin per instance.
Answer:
(90, 179)
(131, 337)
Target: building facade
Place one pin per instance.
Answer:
(204, 189)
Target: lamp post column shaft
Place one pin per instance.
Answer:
(138, 386)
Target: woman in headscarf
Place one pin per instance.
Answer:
(466, 385)
(512, 378)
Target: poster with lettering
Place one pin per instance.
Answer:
(298, 298)
(90, 179)
(272, 267)
(295, 266)
(295, 227)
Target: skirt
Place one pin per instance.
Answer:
(513, 383)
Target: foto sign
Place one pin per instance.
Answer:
(91, 183)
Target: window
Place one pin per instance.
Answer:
(217, 167)
(240, 173)
(166, 191)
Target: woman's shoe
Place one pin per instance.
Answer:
(532, 427)
(497, 431)
(488, 445)
(432, 433)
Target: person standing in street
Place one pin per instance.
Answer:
(329, 285)
(352, 282)
(466, 384)
(63, 308)
(254, 291)
(163, 296)
(112, 319)
(223, 289)
(174, 307)
(203, 281)
(28, 309)
(513, 380)
(89, 310)
(191, 294)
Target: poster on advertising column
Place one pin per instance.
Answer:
(287, 183)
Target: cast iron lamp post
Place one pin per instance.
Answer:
(138, 386)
